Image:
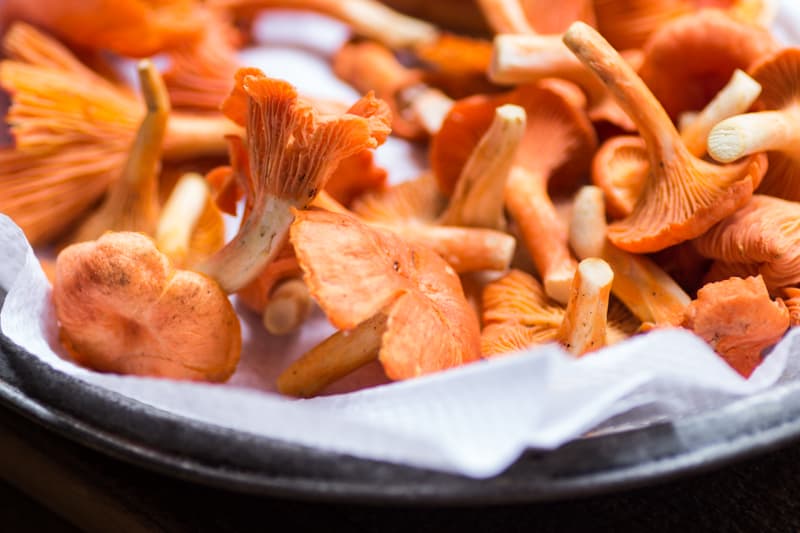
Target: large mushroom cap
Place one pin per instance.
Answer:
(123, 308)
(356, 272)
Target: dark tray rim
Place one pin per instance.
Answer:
(204, 453)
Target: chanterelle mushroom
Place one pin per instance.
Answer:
(683, 195)
(392, 300)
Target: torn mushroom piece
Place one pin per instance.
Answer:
(292, 153)
(621, 164)
(72, 130)
(774, 130)
(683, 195)
(123, 308)
(791, 297)
(689, 60)
(765, 233)
(133, 28)
(737, 318)
(649, 292)
(394, 301)
(517, 314)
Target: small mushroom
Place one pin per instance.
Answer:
(774, 130)
(391, 300)
(737, 318)
(649, 292)
(683, 195)
(765, 233)
(689, 60)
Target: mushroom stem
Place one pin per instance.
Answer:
(288, 307)
(755, 132)
(332, 359)
(649, 292)
(193, 135)
(629, 90)
(465, 249)
(368, 18)
(586, 318)
(543, 232)
(478, 197)
(505, 16)
(525, 58)
(132, 202)
(180, 215)
(736, 97)
(430, 106)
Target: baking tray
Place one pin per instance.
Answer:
(203, 453)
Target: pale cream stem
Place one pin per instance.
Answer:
(525, 58)
(736, 97)
(755, 132)
(478, 199)
(179, 216)
(196, 135)
(334, 358)
(586, 318)
(429, 108)
(288, 307)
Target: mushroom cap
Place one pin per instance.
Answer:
(355, 272)
(687, 61)
(627, 24)
(620, 167)
(123, 308)
(765, 233)
(739, 320)
(548, 17)
(559, 139)
(355, 176)
(133, 28)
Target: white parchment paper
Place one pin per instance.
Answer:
(474, 420)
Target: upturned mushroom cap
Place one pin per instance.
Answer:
(123, 308)
(430, 324)
(627, 24)
(764, 233)
(690, 59)
(620, 168)
(774, 129)
(133, 28)
(683, 195)
(738, 320)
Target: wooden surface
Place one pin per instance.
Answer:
(52, 484)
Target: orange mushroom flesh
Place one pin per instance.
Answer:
(190, 226)
(791, 297)
(477, 199)
(621, 165)
(689, 60)
(737, 318)
(683, 196)
(292, 153)
(764, 233)
(649, 292)
(630, 23)
(774, 130)
(367, 18)
(518, 59)
(411, 208)
(134, 28)
(201, 72)
(72, 130)
(517, 314)
(392, 300)
(123, 308)
(506, 16)
(132, 201)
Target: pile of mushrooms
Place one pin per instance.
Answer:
(593, 173)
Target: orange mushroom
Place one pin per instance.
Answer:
(292, 154)
(765, 233)
(738, 320)
(392, 300)
(649, 292)
(136, 28)
(687, 61)
(792, 301)
(683, 195)
(774, 130)
(517, 314)
(629, 24)
(123, 308)
(72, 129)
(621, 164)
(535, 16)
